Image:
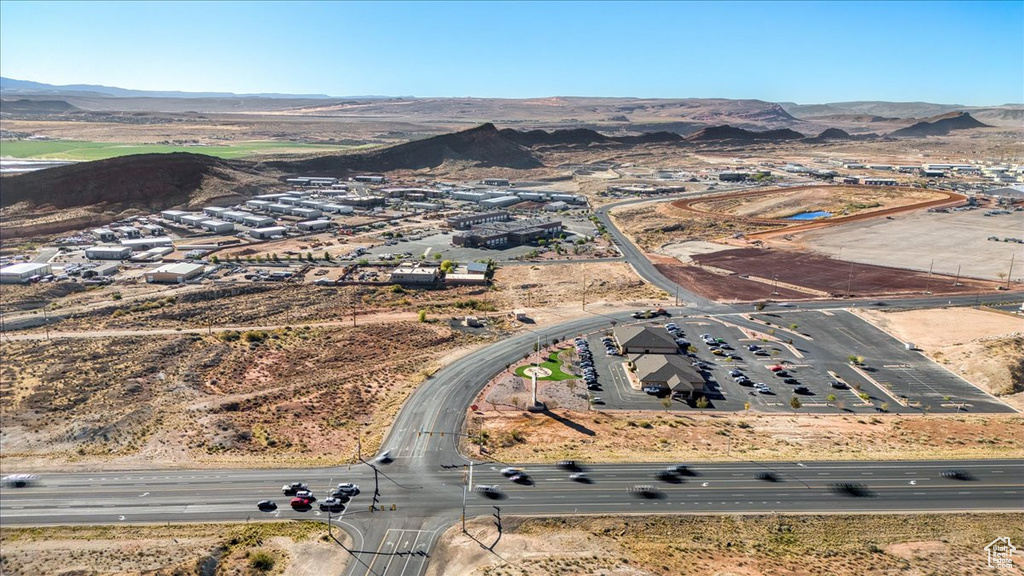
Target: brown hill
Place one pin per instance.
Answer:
(574, 136)
(727, 132)
(649, 138)
(143, 181)
(939, 126)
(25, 106)
(484, 146)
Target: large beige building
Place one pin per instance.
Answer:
(174, 273)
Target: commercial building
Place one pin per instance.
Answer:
(556, 206)
(851, 180)
(636, 339)
(105, 270)
(218, 226)
(104, 235)
(108, 252)
(414, 275)
(337, 209)
(668, 372)
(235, 216)
(173, 215)
(570, 198)
(470, 220)
(140, 244)
(215, 211)
(733, 176)
(880, 182)
(307, 213)
(310, 225)
(469, 195)
(371, 179)
(174, 273)
(23, 272)
(267, 233)
(930, 173)
(129, 231)
(496, 182)
(500, 234)
(500, 202)
(258, 221)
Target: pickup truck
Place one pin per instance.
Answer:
(643, 314)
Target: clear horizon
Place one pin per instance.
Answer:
(949, 53)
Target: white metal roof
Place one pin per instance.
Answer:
(23, 267)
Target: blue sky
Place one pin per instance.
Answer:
(807, 52)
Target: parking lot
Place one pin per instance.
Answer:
(810, 363)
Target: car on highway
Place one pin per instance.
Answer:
(521, 478)
(766, 476)
(291, 489)
(300, 502)
(645, 491)
(957, 475)
(682, 470)
(487, 491)
(580, 477)
(20, 480)
(308, 495)
(511, 471)
(332, 505)
(854, 489)
(348, 488)
(385, 457)
(570, 465)
(267, 505)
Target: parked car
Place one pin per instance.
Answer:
(801, 390)
(837, 385)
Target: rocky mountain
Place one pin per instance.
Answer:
(939, 126)
(26, 106)
(727, 132)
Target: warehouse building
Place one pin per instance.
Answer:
(733, 176)
(104, 235)
(307, 213)
(496, 182)
(267, 233)
(289, 200)
(315, 204)
(108, 252)
(570, 198)
(254, 221)
(235, 216)
(129, 231)
(153, 229)
(370, 179)
(105, 271)
(174, 273)
(258, 204)
(414, 275)
(173, 215)
(23, 273)
(310, 225)
(880, 182)
(425, 206)
(214, 211)
(279, 208)
(141, 244)
(470, 220)
(338, 209)
(153, 254)
(469, 196)
(276, 197)
(194, 220)
(500, 202)
(556, 206)
(218, 226)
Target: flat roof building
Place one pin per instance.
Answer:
(140, 244)
(128, 231)
(173, 215)
(307, 213)
(254, 221)
(174, 273)
(258, 204)
(314, 225)
(500, 234)
(372, 179)
(267, 233)
(23, 272)
(235, 216)
(496, 182)
(337, 209)
(218, 226)
(193, 220)
(500, 202)
(104, 234)
(214, 211)
(415, 275)
(106, 270)
(153, 229)
(108, 252)
(880, 182)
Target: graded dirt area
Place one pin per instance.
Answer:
(984, 346)
(802, 545)
(620, 436)
(945, 242)
(289, 549)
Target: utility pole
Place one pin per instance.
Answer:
(353, 308)
(677, 295)
(1009, 274)
(928, 282)
(849, 282)
(956, 282)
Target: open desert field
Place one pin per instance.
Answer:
(842, 545)
(293, 549)
(953, 240)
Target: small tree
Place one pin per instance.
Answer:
(702, 403)
(793, 326)
(327, 256)
(884, 406)
(447, 266)
(437, 256)
(795, 402)
(214, 259)
(666, 402)
(423, 315)
(746, 406)
(830, 398)
(309, 256)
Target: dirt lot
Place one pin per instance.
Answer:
(663, 437)
(944, 241)
(284, 397)
(294, 549)
(986, 347)
(914, 545)
(834, 277)
(725, 287)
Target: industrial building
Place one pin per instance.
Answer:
(310, 225)
(470, 220)
(929, 173)
(371, 179)
(193, 220)
(556, 206)
(173, 215)
(267, 233)
(496, 182)
(880, 182)
(129, 231)
(153, 254)
(500, 202)
(469, 195)
(289, 200)
(214, 211)
(23, 272)
(105, 271)
(218, 226)
(501, 234)
(258, 221)
(733, 176)
(279, 208)
(425, 206)
(338, 209)
(104, 234)
(414, 275)
(235, 216)
(140, 244)
(570, 198)
(174, 273)
(108, 252)
(153, 229)
(258, 204)
(307, 213)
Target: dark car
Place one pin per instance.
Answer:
(837, 385)
(267, 505)
(570, 465)
(766, 476)
(957, 475)
(682, 470)
(854, 489)
(790, 380)
(801, 390)
(646, 492)
(521, 478)
(669, 476)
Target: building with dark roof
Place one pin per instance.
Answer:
(515, 232)
(668, 372)
(638, 339)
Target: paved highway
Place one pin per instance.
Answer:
(421, 491)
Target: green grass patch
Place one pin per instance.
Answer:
(84, 151)
(552, 363)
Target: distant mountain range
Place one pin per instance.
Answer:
(11, 87)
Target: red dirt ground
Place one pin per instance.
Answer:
(832, 276)
(718, 287)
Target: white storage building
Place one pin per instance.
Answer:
(500, 202)
(174, 273)
(218, 226)
(338, 209)
(108, 252)
(194, 220)
(308, 213)
(215, 211)
(235, 216)
(140, 244)
(314, 225)
(21, 273)
(269, 232)
(104, 234)
(258, 221)
(173, 215)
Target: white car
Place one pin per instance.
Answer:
(348, 488)
(511, 471)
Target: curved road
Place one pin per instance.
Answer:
(420, 493)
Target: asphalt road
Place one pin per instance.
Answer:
(421, 492)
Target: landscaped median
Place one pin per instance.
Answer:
(552, 365)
